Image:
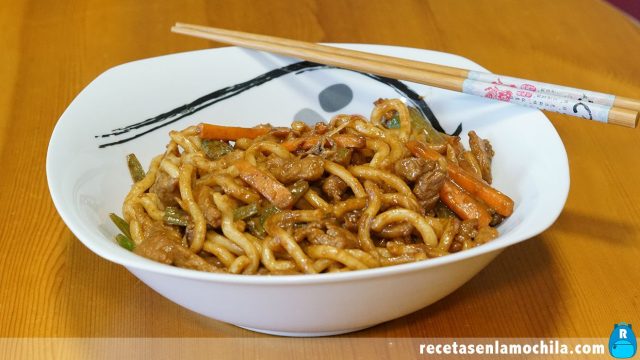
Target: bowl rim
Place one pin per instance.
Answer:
(145, 264)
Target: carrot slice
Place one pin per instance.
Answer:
(463, 204)
(266, 185)
(229, 133)
(498, 201)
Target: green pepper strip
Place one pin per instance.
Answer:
(125, 242)
(244, 212)
(135, 168)
(175, 216)
(122, 225)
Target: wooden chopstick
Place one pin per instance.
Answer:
(557, 90)
(470, 82)
(331, 49)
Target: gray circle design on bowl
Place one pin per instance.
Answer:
(335, 97)
(308, 116)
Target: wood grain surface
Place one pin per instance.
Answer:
(574, 280)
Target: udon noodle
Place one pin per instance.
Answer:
(349, 195)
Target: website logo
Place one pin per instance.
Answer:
(622, 342)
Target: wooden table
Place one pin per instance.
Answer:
(574, 280)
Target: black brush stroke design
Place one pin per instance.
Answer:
(205, 101)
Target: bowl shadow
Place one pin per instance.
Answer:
(612, 231)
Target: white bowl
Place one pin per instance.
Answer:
(87, 182)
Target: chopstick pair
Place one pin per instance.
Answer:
(544, 96)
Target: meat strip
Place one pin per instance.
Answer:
(483, 152)
(165, 247)
(289, 171)
(427, 187)
(410, 168)
(166, 188)
(334, 187)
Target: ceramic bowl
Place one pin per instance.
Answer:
(132, 107)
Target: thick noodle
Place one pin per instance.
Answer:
(349, 195)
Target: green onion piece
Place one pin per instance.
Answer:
(244, 212)
(269, 210)
(420, 123)
(135, 169)
(122, 225)
(125, 242)
(175, 216)
(298, 189)
(215, 149)
(256, 224)
(394, 122)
